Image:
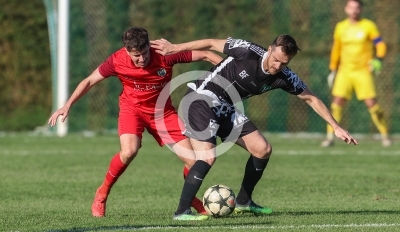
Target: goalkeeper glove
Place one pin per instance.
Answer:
(331, 78)
(376, 65)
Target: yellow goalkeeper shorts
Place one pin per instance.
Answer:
(360, 81)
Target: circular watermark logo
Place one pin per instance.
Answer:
(217, 105)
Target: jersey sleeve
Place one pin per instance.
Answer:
(373, 31)
(293, 84)
(180, 57)
(107, 68)
(335, 52)
(375, 36)
(242, 49)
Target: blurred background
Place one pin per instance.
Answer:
(96, 27)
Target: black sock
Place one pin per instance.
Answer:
(192, 184)
(252, 174)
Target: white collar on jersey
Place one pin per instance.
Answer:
(262, 63)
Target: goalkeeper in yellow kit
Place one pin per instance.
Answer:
(352, 67)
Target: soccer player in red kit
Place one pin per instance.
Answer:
(143, 74)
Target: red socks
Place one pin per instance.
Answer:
(185, 172)
(115, 170)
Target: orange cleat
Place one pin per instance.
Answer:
(197, 204)
(99, 204)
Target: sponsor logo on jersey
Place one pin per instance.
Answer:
(246, 97)
(161, 72)
(147, 87)
(243, 74)
(360, 35)
(239, 43)
(265, 88)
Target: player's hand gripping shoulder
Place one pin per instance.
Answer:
(345, 136)
(164, 47)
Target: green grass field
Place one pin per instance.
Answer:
(48, 184)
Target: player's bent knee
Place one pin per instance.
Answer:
(128, 155)
(189, 162)
(210, 161)
(263, 152)
(206, 157)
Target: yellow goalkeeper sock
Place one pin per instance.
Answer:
(336, 111)
(378, 119)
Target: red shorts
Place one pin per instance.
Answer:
(165, 130)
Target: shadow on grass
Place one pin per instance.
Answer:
(155, 227)
(366, 212)
(228, 225)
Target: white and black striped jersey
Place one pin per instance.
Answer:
(241, 75)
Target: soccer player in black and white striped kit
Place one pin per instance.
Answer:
(209, 109)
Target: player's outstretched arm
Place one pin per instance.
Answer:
(83, 87)
(319, 107)
(209, 56)
(164, 47)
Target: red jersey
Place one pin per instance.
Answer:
(142, 86)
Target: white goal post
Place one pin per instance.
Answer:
(58, 27)
(62, 60)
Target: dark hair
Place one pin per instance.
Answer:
(357, 1)
(135, 38)
(288, 44)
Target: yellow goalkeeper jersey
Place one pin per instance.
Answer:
(353, 46)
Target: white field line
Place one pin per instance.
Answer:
(371, 225)
(327, 151)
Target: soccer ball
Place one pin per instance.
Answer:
(219, 200)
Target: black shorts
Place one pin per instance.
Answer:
(206, 118)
